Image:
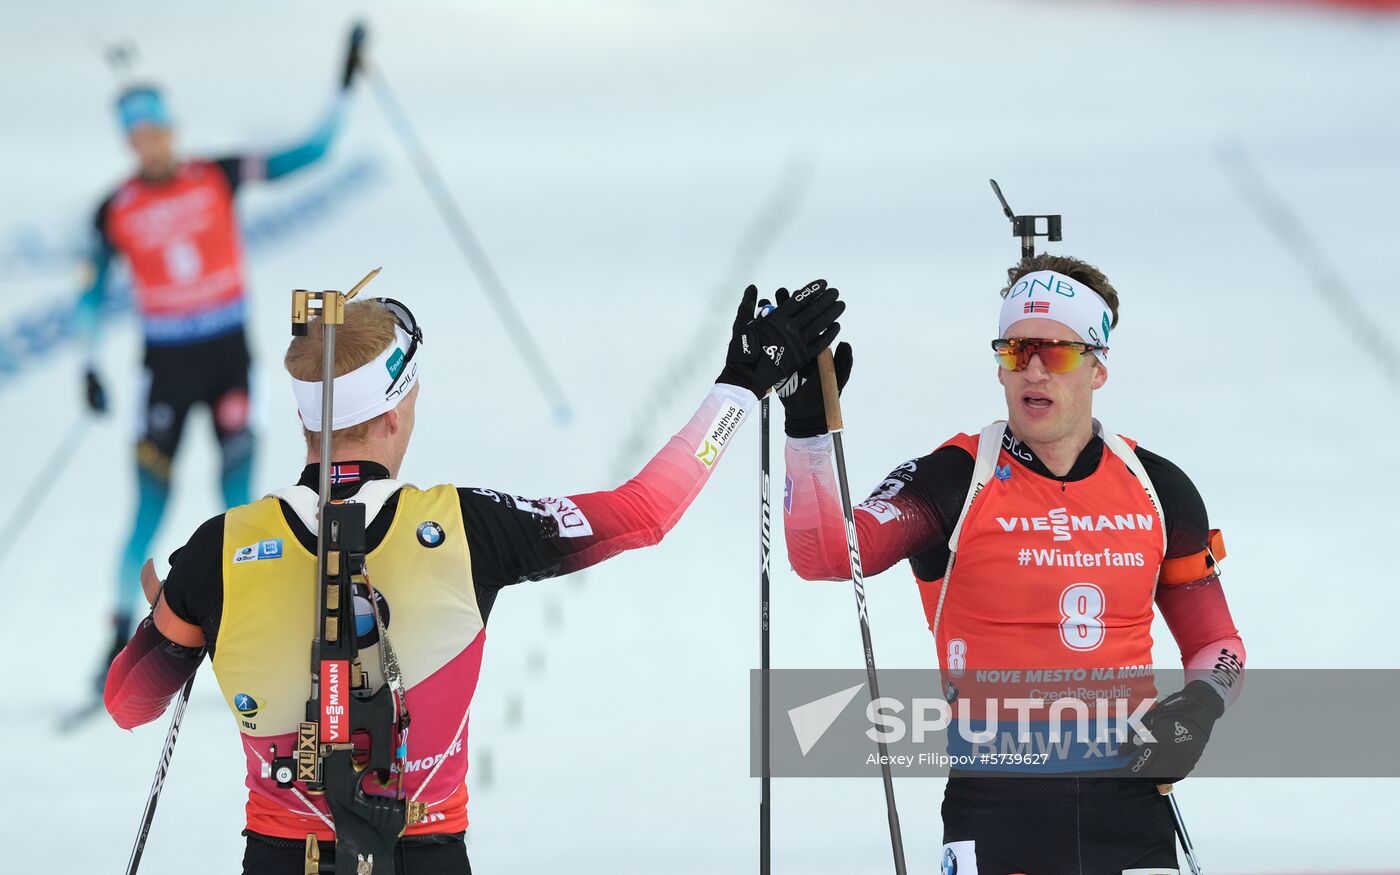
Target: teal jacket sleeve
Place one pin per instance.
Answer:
(302, 154)
(88, 310)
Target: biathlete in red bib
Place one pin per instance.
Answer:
(1040, 547)
(174, 222)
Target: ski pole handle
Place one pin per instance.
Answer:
(1164, 789)
(831, 389)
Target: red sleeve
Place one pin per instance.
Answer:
(515, 539)
(146, 675)
(898, 520)
(1200, 621)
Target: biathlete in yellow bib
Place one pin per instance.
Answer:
(242, 589)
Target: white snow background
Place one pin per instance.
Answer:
(612, 157)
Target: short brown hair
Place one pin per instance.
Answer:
(1075, 269)
(367, 332)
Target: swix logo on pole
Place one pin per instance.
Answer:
(1061, 524)
(857, 576)
(334, 689)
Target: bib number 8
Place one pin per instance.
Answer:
(182, 261)
(957, 657)
(1081, 616)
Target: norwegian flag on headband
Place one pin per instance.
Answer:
(345, 474)
(1037, 307)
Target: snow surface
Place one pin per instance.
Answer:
(612, 158)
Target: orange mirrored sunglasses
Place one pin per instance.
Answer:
(1058, 356)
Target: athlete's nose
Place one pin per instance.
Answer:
(1035, 371)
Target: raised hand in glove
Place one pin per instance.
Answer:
(766, 351)
(801, 393)
(96, 394)
(354, 62)
(1181, 724)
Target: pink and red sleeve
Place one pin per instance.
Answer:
(641, 511)
(892, 524)
(146, 675)
(1200, 621)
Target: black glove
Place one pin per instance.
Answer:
(801, 393)
(1181, 724)
(353, 61)
(96, 395)
(766, 351)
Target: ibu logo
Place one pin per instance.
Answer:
(1003, 472)
(395, 363)
(246, 705)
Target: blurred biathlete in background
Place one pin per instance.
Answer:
(242, 587)
(175, 224)
(1057, 501)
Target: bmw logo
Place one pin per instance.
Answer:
(366, 628)
(950, 862)
(246, 705)
(430, 534)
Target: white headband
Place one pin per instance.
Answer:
(362, 394)
(1046, 294)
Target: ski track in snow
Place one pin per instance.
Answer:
(609, 156)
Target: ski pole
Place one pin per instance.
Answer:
(765, 811)
(469, 245)
(826, 367)
(57, 462)
(162, 768)
(1181, 834)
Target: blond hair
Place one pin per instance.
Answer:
(368, 330)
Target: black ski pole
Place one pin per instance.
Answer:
(469, 245)
(162, 768)
(765, 809)
(831, 397)
(1180, 824)
(27, 507)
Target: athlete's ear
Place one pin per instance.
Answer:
(391, 422)
(1100, 374)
